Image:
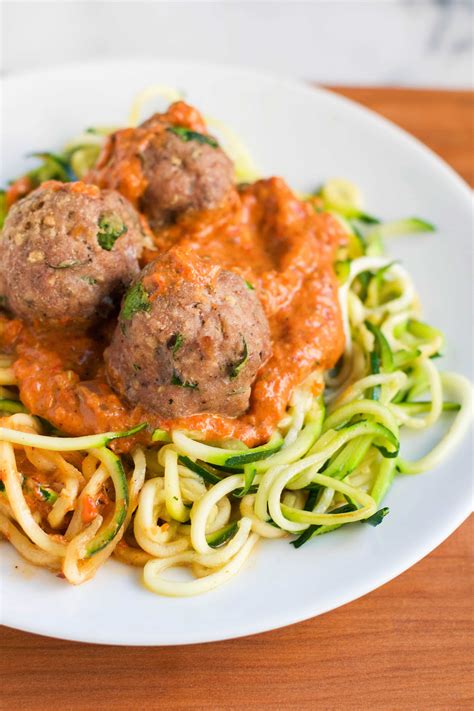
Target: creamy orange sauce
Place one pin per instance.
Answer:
(18, 189)
(119, 166)
(281, 246)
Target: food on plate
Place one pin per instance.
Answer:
(252, 382)
(190, 338)
(167, 166)
(68, 251)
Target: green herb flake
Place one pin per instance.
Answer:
(111, 227)
(177, 380)
(2, 486)
(249, 285)
(136, 299)
(136, 367)
(175, 342)
(48, 495)
(236, 367)
(186, 134)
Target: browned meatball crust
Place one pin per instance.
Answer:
(3, 286)
(191, 337)
(183, 175)
(68, 250)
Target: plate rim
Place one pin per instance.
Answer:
(288, 80)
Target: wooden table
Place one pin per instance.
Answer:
(407, 645)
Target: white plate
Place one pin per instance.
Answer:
(305, 135)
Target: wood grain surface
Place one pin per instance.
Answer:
(444, 120)
(407, 645)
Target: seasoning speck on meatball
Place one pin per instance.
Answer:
(191, 337)
(68, 251)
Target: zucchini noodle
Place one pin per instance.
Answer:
(69, 503)
(145, 96)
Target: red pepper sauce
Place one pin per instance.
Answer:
(281, 246)
(119, 166)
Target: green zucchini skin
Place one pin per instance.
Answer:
(66, 444)
(12, 406)
(160, 436)
(239, 460)
(315, 530)
(204, 473)
(218, 538)
(117, 474)
(233, 459)
(382, 348)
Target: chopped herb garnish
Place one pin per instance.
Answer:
(249, 285)
(136, 299)
(2, 486)
(111, 228)
(186, 134)
(175, 342)
(48, 495)
(136, 367)
(177, 380)
(236, 367)
(377, 517)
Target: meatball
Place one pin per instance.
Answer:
(67, 251)
(166, 166)
(191, 337)
(183, 175)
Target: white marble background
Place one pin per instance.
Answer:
(389, 42)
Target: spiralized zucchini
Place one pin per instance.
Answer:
(185, 503)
